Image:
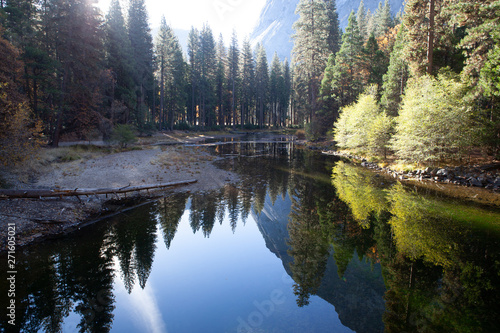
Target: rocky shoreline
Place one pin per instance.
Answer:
(485, 176)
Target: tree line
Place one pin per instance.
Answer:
(422, 85)
(76, 73)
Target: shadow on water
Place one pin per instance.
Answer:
(387, 257)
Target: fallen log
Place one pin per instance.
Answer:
(36, 194)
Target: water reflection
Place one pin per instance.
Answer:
(442, 269)
(387, 257)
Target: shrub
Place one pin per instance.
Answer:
(313, 131)
(434, 122)
(301, 134)
(363, 127)
(182, 126)
(124, 135)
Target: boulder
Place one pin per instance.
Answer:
(475, 182)
(497, 182)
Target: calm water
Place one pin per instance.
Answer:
(304, 243)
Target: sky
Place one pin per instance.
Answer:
(222, 15)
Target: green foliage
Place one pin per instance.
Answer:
(316, 36)
(375, 63)
(119, 54)
(313, 130)
(182, 126)
(490, 73)
(394, 81)
(262, 84)
(347, 82)
(356, 187)
(141, 43)
(363, 127)
(434, 122)
(123, 135)
(171, 75)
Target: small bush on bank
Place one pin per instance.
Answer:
(363, 128)
(434, 122)
(123, 135)
(301, 134)
(182, 126)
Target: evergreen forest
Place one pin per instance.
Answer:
(423, 85)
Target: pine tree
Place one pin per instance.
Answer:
(313, 43)
(221, 84)
(77, 43)
(261, 84)
(142, 51)
(207, 58)
(385, 19)
(347, 80)
(233, 74)
(333, 26)
(171, 72)
(286, 91)
(247, 82)
(427, 32)
(118, 58)
(480, 46)
(382, 20)
(194, 74)
(374, 62)
(274, 88)
(394, 81)
(363, 20)
(20, 22)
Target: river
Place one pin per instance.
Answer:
(303, 243)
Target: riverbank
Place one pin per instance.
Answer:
(163, 158)
(479, 183)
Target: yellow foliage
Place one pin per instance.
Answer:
(20, 135)
(355, 187)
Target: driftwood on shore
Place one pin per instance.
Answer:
(36, 194)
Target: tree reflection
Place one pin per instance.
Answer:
(440, 258)
(134, 237)
(358, 188)
(75, 275)
(170, 211)
(308, 239)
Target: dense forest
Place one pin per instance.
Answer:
(423, 85)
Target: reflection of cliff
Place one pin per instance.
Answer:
(357, 298)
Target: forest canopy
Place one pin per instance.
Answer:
(71, 72)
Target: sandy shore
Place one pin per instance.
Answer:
(146, 164)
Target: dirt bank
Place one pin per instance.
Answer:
(155, 160)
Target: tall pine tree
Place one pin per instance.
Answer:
(233, 74)
(247, 82)
(141, 42)
(119, 61)
(346, 72)
(314, 41)
(261, 84)
(171, 73)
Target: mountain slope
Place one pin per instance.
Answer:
(274, 29)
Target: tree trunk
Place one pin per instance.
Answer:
(36, 194)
